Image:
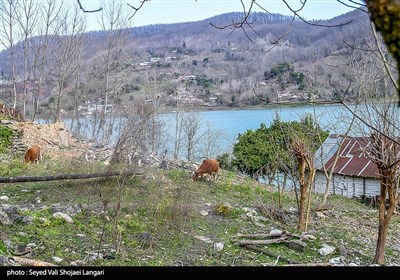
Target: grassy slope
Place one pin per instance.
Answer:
(164, 206)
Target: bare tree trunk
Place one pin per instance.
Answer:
(8, 16)
(178, 131)
(279, 193)
(379, 257)
(191, 125)
(329, 174)
(310, 180)
(306, 172)
(27, 20)
(285, 175)
(303, 193)
(57, 117)
(49, 11)
(385, 215)
(66, 53)
(114, 21)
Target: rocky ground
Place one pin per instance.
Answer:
(56, 141)
(164, 219)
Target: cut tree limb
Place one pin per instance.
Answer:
(262, 242)
(268, 253)
(70, 176)
(308, 264)
(256, 235)
(30, 262)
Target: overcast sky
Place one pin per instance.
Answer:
(174, 11)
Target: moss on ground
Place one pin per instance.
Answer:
(162, 218)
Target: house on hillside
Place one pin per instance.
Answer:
(354, 174)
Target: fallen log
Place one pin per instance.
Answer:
(256, 235)
(30, 262)
(308, 264)
(268, 253)
(261, 242)
(109, 173)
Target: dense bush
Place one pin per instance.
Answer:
(5, 138)
(271, 146)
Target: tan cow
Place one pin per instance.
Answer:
(33, 154)
(208, 167)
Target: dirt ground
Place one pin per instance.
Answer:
(55, 139)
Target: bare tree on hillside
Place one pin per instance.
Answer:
(329, 173)
(380, 13)
(198, 137)
(27, 18)
(136, 132)
(65, 58)
(311, 95)
(380, 119)
(107, 67)
(48, 25)
(305, 162)
(210, 142)
(8, 38)
(178, 137)
(377, 86)
(191, 125)
(151, 86)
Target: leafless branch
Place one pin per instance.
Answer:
(245, 23)
(88, 11)
(296, 13)
(342, 102)
(367, 124)
(373, 51)
(279, 38)
(382, 57)
(136, 9)
(355, 6)
(242, 23)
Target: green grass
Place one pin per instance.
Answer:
(165, 205)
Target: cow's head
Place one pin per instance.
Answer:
(194, 176)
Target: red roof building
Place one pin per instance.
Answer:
(352, 160)
(354, 174)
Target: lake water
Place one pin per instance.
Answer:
(229, 123)
(334, 118)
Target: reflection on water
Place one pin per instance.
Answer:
(228, 124)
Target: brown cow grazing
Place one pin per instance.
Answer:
(33, 154)
(208, 166)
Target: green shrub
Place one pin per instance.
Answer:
(14, 168)
(5, 138)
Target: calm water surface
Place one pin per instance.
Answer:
(229, 123)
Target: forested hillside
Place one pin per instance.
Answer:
(193, 64)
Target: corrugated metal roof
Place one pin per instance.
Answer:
(352, 160)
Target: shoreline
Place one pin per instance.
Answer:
(227, 108)
(188, 109)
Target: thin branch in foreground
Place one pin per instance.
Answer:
(354, 6)
(240, 24)
(367, 124)
(88, 11)
(136, 9)
(342, 102)
(296, 13)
